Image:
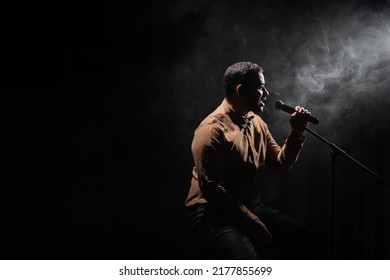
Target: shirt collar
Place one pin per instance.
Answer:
(241, 120)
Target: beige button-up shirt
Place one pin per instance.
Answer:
(228, 151)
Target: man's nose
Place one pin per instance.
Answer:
(265, 92)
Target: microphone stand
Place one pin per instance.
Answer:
(335, 151)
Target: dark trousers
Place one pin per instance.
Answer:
(291, 239)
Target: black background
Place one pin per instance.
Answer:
(99, 104)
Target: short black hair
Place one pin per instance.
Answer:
(243, 73)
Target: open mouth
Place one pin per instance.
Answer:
(262, 102)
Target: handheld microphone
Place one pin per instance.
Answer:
(281, 106)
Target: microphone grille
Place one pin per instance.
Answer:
(278, 104)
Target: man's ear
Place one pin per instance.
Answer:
(240, 90)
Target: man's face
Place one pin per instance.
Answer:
(257, 94)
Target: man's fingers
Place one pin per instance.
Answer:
(302, 110)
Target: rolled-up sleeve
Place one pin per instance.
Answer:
(283, 158)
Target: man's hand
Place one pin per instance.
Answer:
(298, 124)
(259, 235)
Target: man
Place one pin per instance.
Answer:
(230, 147)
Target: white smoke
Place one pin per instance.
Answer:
(353, 51)
(344, 69)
